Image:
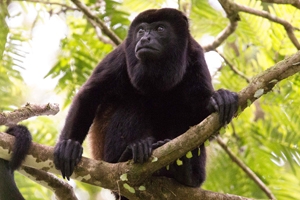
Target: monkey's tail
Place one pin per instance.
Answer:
(21, 147)
(8, 188)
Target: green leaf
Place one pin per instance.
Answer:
(142, 188)
(249, 102)
(168, 167)
(259, 93)
(129, 188)
(189, 154)
(155, 159)
(123, 177)
(179, 162)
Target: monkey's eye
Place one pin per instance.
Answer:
(141, 30)
(160, 29)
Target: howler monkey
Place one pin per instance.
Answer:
(150, 89)
(8, 188)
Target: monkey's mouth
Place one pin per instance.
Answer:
(145, 49)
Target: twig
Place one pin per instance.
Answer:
(222, 36)
(233, 68)
(61, 189)
(295, 3)
(99, 34)
(246, 169)
(99, 23)
(96, 22)
(50, 3)
(233, 17)
(230, 5)
(288, 27)
(29, 110)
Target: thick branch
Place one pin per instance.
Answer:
(260, 85)
(61, 189)
(108, 175)
(29, 110)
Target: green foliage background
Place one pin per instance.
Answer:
(267, 143)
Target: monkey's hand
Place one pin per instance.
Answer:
(160, 143)
(140, 151)
(67, 154)
(225, 103)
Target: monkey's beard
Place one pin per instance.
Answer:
(151, 77)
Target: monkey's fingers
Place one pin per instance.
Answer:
(67, 159)
(145, 149)
(217, 103)
(67, 154)
(58, 156)
(230, 102)
(234, 99)
(134, 149)
(160, 143)
(225, 103)
(75, 156)
(126, 155)
(142, 150)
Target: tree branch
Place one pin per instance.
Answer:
(29, 110)
(191, 139)
(221, 37)
(233, 17)
(98, 22)
(100, 35)
(41, 157)
(295, 3)
(233, 68)
(50, 3)
(61, 189)
(246, 169)
(231, 7)
(91, 171)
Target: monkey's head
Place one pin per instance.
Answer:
(156, 50)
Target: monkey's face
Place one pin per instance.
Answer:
(152, 40)
(156, 50)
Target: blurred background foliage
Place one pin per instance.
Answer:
(265, 136)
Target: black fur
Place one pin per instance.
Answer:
(150, 89)
(8, 188)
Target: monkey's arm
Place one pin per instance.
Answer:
(68, 150)
(103, 81)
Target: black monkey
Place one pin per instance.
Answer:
(150, 89)
(8, 188)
